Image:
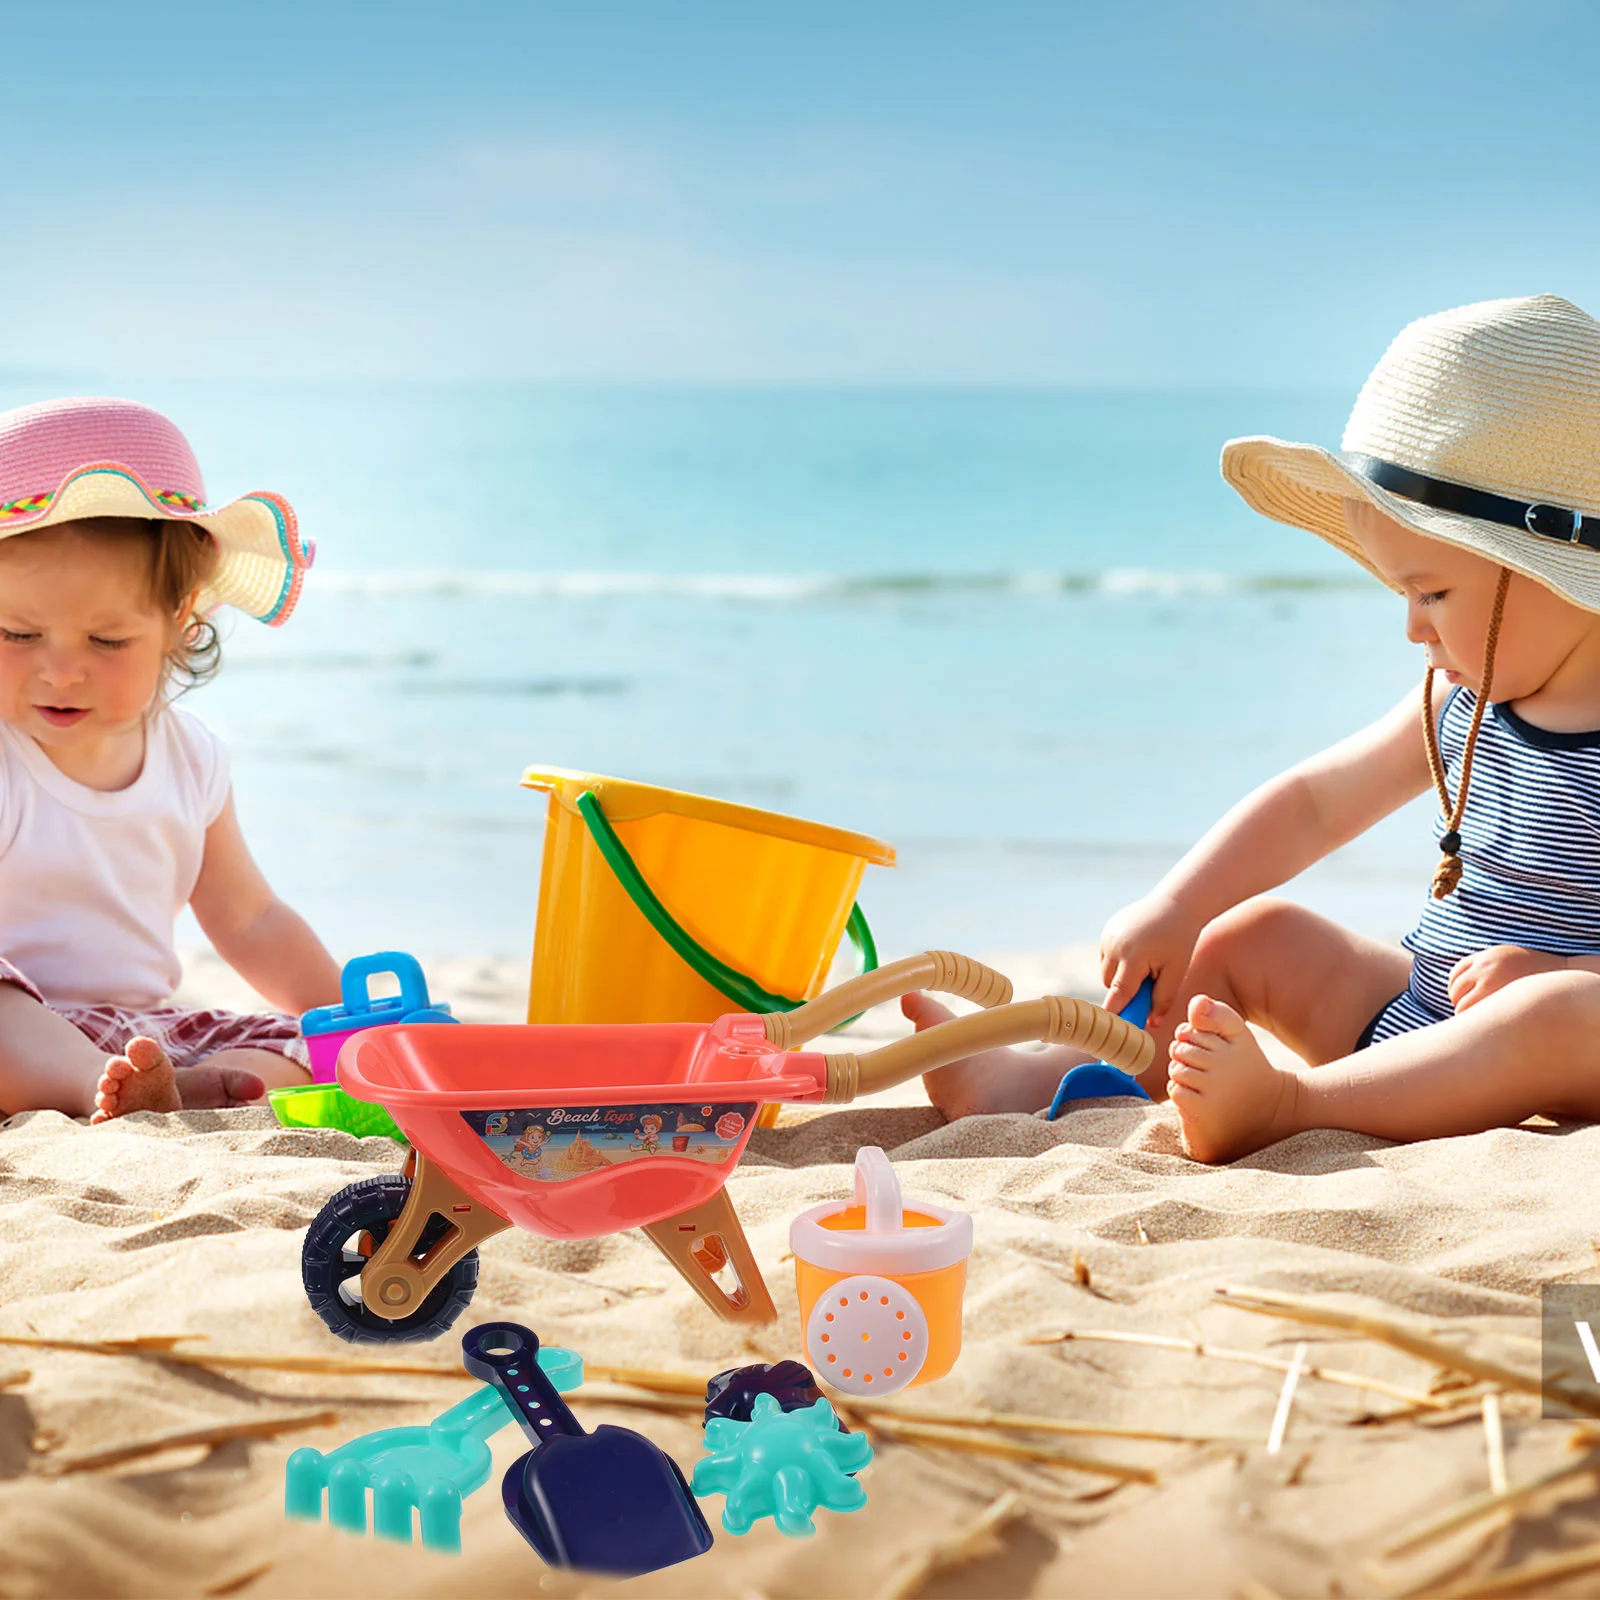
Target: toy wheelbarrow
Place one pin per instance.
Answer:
(575, 1131)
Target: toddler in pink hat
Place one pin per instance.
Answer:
(115, 804)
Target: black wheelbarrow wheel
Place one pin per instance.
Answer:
(338, 1245)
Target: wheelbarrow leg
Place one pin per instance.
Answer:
(396, 1280)
(706, 1243)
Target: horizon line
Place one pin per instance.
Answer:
(12, 377)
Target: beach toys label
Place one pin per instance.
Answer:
(558, 1144)
(880, 1286)
(661, 906)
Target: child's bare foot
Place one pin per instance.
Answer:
(209, 1088)
(996, 1080)
(142, 1079)
(1231, 1099)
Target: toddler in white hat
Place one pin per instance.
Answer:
(1469, 483)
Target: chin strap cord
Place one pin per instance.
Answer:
(1448, 873)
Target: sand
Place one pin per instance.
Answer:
(192, 1224)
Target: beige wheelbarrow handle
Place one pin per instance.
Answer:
(1055, 1019)
(942, 970)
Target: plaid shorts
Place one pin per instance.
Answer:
(187, 1035)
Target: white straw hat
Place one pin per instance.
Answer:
(1480, 427)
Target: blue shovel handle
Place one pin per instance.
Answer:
(1096, 1080)
(506, 1356)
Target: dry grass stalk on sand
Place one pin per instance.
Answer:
(1402, 1336)
(1499, 1501)
(218, 1434)
(870, 1413)
(665, 1386)
(240, 1580)
(651, 1378)
(973, 1443)
(1487, 1547)
(1023, 1422)
(979, 1538)
(1280, 1417)
(163, 1347)
(907, 1427)
(14, 1380)
(1249, 1588)
(1461, 1408)
(1485, 1505)
(1249, 1358)
(1494, 1442)
(1523, 1577)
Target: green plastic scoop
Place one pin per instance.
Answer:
(326, 1105)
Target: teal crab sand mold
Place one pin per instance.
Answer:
(782, 1464)
(428, 1469)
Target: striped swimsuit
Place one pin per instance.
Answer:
(1530, 847)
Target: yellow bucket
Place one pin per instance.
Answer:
(761, 897)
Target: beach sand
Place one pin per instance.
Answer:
(192, 1224)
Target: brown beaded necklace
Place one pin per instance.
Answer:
(1448, 873)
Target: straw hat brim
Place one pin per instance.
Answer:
(262, 559)
(1304, 485)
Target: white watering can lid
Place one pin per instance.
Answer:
(885, 1245)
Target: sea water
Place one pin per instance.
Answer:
(1030, 638)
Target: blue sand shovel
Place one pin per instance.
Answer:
(607, 1501)
(429, 1469)
(1096, 1080)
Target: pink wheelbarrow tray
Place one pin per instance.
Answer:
(576, 1131)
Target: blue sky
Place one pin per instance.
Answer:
(1221, 193)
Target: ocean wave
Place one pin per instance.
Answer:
(801, 588)
(503, 687)
(333, 661)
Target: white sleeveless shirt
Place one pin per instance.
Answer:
(91, 883)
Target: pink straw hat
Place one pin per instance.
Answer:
(63, 460)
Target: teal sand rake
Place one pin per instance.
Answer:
(427, 1469)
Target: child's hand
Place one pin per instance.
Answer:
(1154, 937)
(1476, 977)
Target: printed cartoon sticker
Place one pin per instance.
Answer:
(551, 1144)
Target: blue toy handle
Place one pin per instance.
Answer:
(1137, 1010)
(355, 982)
(484, 1412)
(506, 1355)
(1096, 1080)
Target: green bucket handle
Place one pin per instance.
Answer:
(736, 986)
